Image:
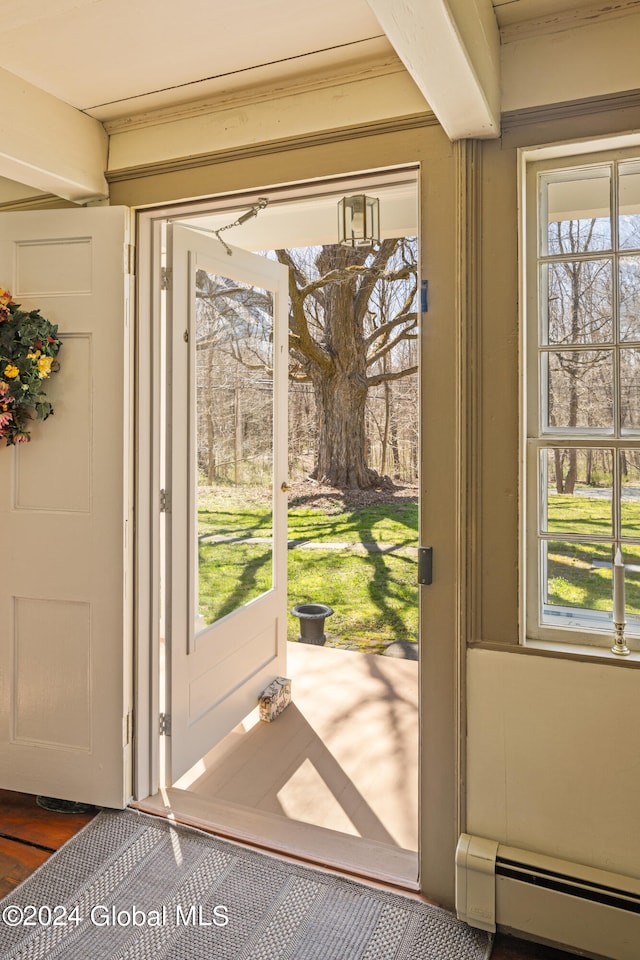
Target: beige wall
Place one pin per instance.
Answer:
(577, 57)
(552, 758)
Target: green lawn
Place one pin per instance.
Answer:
(585, 516)
(374, 595)
(378, 523)
(574, 581)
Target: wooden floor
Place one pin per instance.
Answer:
(28, 835)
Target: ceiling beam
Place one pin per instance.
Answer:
(49, 145)
(451, 48)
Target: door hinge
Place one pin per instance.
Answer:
(165, 725)
(425, 566)
(165, 502)
(130, 259)
(127, 725)
(165, 277)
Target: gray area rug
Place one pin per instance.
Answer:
(135, 887)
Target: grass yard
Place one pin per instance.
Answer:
(575, 575)
(586, 516)
(374, 594)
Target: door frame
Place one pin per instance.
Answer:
(440, 718)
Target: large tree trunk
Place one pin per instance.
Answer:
(341, 432)
(341, 394)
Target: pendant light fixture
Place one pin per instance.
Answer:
(358, 221)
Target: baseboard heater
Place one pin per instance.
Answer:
(590, 911)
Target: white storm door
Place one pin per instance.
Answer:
(228, 445)
(65, 635)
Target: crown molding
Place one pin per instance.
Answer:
(568, 20)
(44, 201)
(365, 70)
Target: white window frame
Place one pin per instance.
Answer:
(591, 629)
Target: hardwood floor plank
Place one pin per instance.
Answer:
(22, 819)
(17, 862)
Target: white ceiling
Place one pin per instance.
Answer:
(114, 58)
(95, 54)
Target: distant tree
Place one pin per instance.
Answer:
(580, 314)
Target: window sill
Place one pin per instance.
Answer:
(585, 652)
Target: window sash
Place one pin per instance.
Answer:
(544, 621)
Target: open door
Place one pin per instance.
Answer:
(228, 337)
(65, 634)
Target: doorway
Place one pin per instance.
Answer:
(193, 255)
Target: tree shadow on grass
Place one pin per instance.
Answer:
(383, 587)
(234, 522)
(243, 574)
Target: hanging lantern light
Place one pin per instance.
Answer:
(359, 221)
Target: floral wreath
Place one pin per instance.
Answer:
(28, 347)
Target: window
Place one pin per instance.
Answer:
(583, 399)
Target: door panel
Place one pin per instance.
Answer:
(228, 438)
(65, 643)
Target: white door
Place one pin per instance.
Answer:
(228, 439)
(65, 637)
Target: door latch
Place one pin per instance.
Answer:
(425, 566)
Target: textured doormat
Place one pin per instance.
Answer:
(134, 887)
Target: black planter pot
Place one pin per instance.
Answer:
(312, 617)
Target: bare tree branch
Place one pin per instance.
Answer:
(378, 378)
(404, 334)
(301, 338)
(385, 328)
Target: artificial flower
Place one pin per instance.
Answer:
(25, 335)
(44, 367)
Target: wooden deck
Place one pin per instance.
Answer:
(333, 780)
